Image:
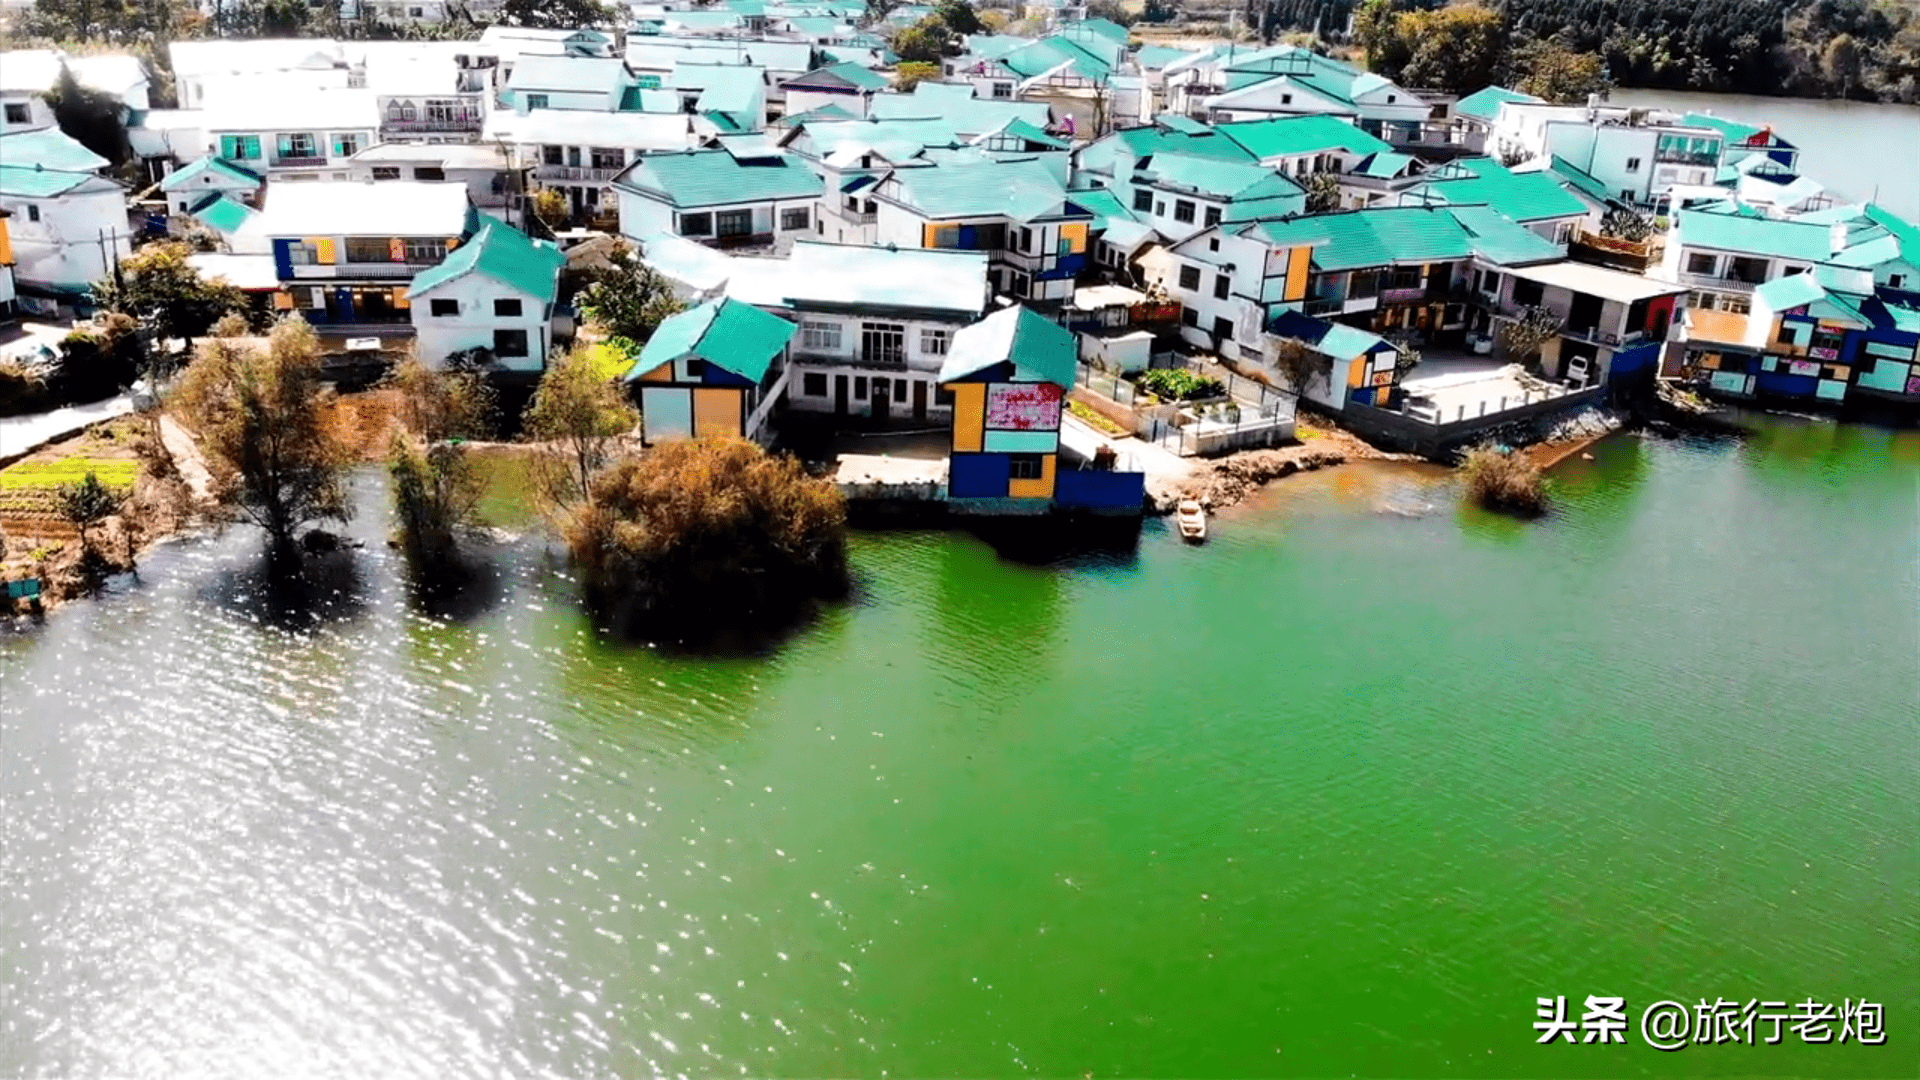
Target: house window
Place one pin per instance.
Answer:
(1223, 329)
(1896, 281)
(1785, 337)
(346, 145)
(1189, 277)
(1024, 466)
(1183, 211)
(813, 384)
(551, 155)
(696, 368)
(1002, 90)
(298, 253)
(793, 219)
(443, 308)
(1213, 243)
(1143, 200)
(734, 222)
(369, 249)
(1633, 164)
(1189, 317)
(604, 158)
(1701, 263)
(883, 343)
(33, 212)
(429, 172)
(821, 336)
(882, 389)
(420, 250)
(1159, 208)
(536, 101)
(1527, 293)
(298, 144)
(934, 342)
(506, 308)
(696, 224)
(859, 386)
(386, 172)
(1220, 285)
(509, 343)
(17, 112)
(1026, 239)
(1212, 217)
(1286, 99)
(240, 147)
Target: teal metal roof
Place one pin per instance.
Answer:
(1578, 179)
(1758, 235)
(1021, 129)
(1336, 340)
(209, 163)
(223, 214)
(1051, 52)
(1222, 179)
(45, 163)
(1155, 57)
(502, 253)
(1483, 181)
(1105, 28)
(1789, 292)
(826, 113)
(1904, 232)
(1484, 103)
(726, 333)
(968, 115)
(1039, 349)
(1383, 165)
(1022, 189)
(845, 73)
(1104, 205)
(1291, 135)
(1501, 240)
(1377, 236)
(713, 177)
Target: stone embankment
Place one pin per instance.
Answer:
(1224, 481)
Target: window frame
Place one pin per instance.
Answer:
(704, 218)
(508, 307)
(935, 340)
(1222, 286)
(1185, 211)
(816, 336)
(1026, 467)
(787, 219)
(441, 307)
(1189, 277)
(525, 345)
(813, 384)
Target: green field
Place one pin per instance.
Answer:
(25, 475)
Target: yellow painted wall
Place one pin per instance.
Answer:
(400, 298)
(969, 415)
(930, 234)
(1357, 371)
(716, 411)
(1035, 489)
(1298, 265)
(323, 248)
(6, 245)
(1075, 234)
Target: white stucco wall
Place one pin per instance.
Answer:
(65, 249)
(438, 336)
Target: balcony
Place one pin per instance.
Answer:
(409, 127)
(1716, 283)
(1322, 305)
(578, 173)
(738, 240)
(299, 161)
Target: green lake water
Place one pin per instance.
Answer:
(1340, 793)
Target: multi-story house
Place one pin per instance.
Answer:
(309, 136)
(1724, 256)
(656, 58)
(494, 180)
(845, 86)
(875, 323)
(850, 156)
(1231, 83)
(719, 368)
(1614, 325)
(742, 193)
(493, 296)
(1743, 141)
(1018, 211)
(956, 104)
(1302, 146)
(1639, 155)
(208, 177)
(580, 153)
(28, 75)
(1179, 195)
(447, 116)
(591, 84)
(1474, 115)
(346, 252)
(69, 222)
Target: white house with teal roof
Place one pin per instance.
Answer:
(745, 193)
(69, 222)
(207, 178)
(1474, 115)
(713, 370)
(846, 86)
(1235, 82)
(495, 292)
(1018, 211)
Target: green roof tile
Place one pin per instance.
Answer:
(1039, 349)
(1286, 136)
(1503, 241)
(1483, 181)
(502, 253)
(726, 333)
(1336, 340)
(1377, 236)
(697, 178)
(1758, 235)
(1484, 104)
(1022, 189)
(209, 163)
(223, 214)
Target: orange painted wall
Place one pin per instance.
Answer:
(6, 245)
(969, 415)
(1035, 489)
(663, 373)
(1075, 234)
(323, 248)
(1357, 371)
(1298, 267)
(716, 411)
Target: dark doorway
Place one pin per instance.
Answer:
(1583, 315)
(919, 399)
(839, 395)
(882, 390)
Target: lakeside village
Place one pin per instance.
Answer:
(1062, 274)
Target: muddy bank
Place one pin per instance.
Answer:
(1221, 482)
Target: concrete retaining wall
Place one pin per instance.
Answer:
(1399, 432)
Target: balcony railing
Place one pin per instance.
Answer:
(755, 239)
(299, 161)
(1718, 284)
(466, 123)
(574, 172)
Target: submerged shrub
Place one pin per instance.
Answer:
(705, 532)
(1503, 480)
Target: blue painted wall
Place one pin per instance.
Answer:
(1077, 489)
(979, 476)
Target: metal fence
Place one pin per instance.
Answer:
(1106, 384)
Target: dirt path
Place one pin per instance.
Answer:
(186, 458)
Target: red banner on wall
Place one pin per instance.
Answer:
(1024, 406)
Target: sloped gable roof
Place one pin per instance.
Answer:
(1039, 349)
(209, 163)
(713, 177)
(502, 253)
(726, 333)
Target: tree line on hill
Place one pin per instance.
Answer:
(1858, 49)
